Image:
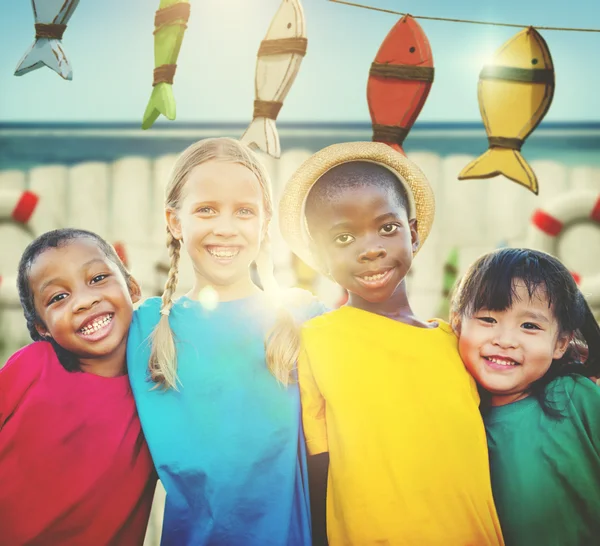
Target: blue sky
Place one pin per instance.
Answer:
(110, 46)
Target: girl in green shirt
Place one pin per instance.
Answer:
(524, 329)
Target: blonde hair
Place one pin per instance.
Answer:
(282, 344)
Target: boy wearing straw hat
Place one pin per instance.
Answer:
(384, 393)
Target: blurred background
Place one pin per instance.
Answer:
(78, 144)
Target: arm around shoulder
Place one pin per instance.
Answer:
(303, 305)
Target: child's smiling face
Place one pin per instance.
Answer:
(363, 236)
(506, 351)
(221, 223)
(83, 300)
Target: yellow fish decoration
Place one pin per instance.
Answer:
(514, 92)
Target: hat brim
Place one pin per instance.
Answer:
(292, 221)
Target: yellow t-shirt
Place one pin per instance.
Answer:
(399, 415)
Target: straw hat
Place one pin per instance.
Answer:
(292, 220)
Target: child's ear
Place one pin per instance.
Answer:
(173, 224)
(562, 344)
(134, 290)
(414, 234)
(42, 330)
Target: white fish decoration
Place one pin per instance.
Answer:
(279, 58)
(51, 18)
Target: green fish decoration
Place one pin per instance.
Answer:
(169, 27)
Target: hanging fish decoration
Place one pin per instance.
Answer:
(515, 92)
(278, 61)
(51, 18)
(170, 23)
(399, 82)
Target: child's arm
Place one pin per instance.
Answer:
(318, 467)
(315, 431)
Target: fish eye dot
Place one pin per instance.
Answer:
(534, 61)
(412, 50)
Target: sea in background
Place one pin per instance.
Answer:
(27, 145)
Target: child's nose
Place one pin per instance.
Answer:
(225, 227)
(505, 338)
(85, 299)
(372, 254)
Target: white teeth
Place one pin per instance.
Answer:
(223, 253)
(369, 278)
(96, 325)
(502, 362)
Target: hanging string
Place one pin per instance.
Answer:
(469, 21)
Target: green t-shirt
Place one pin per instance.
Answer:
(546, 472)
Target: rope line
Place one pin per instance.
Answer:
(469, 21)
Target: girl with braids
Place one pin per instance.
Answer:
(74, 466)
(213, 371)
(522, 322)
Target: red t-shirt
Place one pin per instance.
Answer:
(74, 465)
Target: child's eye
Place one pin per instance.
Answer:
(205, 210)
(530, 326)
(388, 229)
(99, 278)
(344, 239)
(56, 298)
(246, 212)
(487, 320)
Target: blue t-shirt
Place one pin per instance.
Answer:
(228, 445)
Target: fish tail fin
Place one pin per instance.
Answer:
(262, 134)
(162, 101)
(48, 52)
(509, 163)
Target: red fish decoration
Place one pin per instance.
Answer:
(399, 82)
